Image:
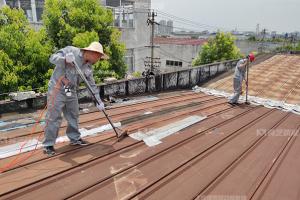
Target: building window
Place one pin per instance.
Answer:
(129, 60)
(123, 14)
(124, 17)
(39, 9)
(117, 3)
(13, 3)
(32, 15)
(172, 63)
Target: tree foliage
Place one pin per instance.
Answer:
(288, 47)
(79, 22)
(218, 49)
(24, 53)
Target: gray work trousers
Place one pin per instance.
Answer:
(237, 86)
(56, 106)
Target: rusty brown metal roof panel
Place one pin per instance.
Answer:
(236, 152)
(276, 78)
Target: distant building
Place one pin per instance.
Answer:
(165, 28)
(162, 27)
(169, 27)
(190, 34)
(177, 53)
(131, 19)
(32, 8)
(274, 34)
(2, 3)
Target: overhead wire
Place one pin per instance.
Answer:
(188, 22)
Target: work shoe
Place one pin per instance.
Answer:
(50, 151)
(233, 104)
(80, 142)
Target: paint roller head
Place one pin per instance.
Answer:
(122, 135)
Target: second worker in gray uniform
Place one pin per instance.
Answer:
(239, 76)
(62, 95)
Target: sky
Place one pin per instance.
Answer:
(273, 15)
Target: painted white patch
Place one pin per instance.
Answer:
(151, 141)
(128, 183)
(131, 154)
(148, 113)
(138, 136)
(14, 149)
(85, 110)
(268, 103)
(2, 123)
(153, 137)
(119, 167)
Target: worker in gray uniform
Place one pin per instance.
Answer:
(62, 87)
(239, 76)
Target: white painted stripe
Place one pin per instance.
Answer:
(148, 113)
(268, 103)
(153, 137)
(2, 123)
(14, 149)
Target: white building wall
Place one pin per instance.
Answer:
(179, 53)
(2, 3)
(136, 38)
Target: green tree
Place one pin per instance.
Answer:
(137, 74)
(288, 47)
(218, 49)
(24, 52)
(252, 39)
(8, 79)
(79, 22)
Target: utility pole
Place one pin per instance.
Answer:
(257, 30)
(286, 36)
(294, 39)
(152, 22)
(264, 31)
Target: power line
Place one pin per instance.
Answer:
(139, 47)
(174, 17)
(181, 28)
(184, 23)
(187, 21)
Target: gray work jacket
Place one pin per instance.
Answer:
(69, 71)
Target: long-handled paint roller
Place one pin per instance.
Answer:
(247, 84)
(122, 133)
(250, 58)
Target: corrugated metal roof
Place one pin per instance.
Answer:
(239, 152)
(277, 78)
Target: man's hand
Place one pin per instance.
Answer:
(101, 106)
(70, 58)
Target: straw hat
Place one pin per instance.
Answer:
(96, 47)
